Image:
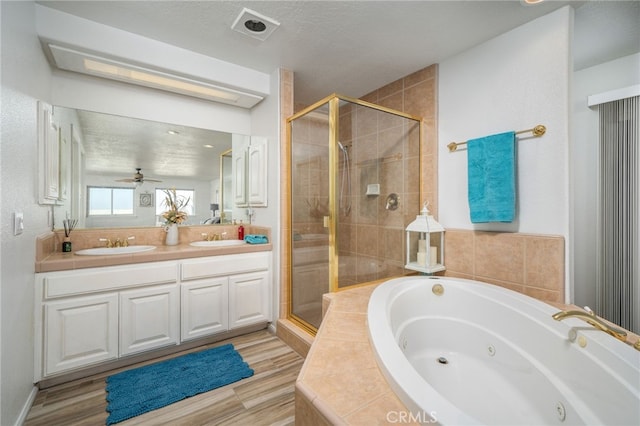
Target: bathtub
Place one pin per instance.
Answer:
(460, 352)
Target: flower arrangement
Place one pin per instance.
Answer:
(174, 203)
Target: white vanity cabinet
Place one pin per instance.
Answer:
(79, 331)
(238, 287)
(89, 316)
(149, 318)
(249, 299)
(204, 307)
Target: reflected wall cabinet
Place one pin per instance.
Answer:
(250, 172)
(48, 156)
(257, 179)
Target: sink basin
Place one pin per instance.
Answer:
(219, 243)
(102, 251)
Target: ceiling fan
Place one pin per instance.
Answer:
(138, 178)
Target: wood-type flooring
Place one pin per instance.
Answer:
(266, 398)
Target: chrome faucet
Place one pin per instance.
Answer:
(589, 316)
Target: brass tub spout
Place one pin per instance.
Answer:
(590, 317)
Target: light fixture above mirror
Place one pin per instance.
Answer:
(72, 59)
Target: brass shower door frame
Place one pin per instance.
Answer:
(330, 221)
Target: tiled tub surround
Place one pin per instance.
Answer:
(50, 258)
(340, 382)
(527, 263)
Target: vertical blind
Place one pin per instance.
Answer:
(617, 282)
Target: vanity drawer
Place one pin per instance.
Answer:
(92, 280)
(193, 269)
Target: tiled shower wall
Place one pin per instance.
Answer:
(531, 264)
(384, 152)
(383, 238)
(417, 94)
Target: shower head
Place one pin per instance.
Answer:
(342, 147)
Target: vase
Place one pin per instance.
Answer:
(172, 234)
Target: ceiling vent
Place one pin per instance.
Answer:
(255, 25)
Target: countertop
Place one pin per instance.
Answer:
(340, 382)
(67, 261)
(49, 258)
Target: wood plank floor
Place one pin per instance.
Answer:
(266, 398)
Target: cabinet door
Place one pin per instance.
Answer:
(239, 169)
(204, 308)
(80, 332)
(149, 318)
(257, 180)
(48, 155)
(249, 300)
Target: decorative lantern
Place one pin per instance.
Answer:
(425, 244)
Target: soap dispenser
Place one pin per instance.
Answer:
(241, 231)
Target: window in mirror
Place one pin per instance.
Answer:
(182, 194)
(109, 201)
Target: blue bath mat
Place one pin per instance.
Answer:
(148, 388)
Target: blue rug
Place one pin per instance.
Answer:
(148, 388)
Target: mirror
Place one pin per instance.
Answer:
(101, 150)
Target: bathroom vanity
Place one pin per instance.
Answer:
(93, 315)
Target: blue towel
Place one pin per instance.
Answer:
(492, 178)
(256, 239)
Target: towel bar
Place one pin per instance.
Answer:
(537, 131)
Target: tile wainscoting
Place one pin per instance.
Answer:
(531, 264)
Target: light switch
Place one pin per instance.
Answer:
(18, 223)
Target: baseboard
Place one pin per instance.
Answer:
(272, 328)
(27, 406)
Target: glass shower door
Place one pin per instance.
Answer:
(309, 215)
(355, 186)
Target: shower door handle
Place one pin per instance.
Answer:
(325, 221)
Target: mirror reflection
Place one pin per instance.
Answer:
(113, 170)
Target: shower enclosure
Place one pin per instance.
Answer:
(355, 186)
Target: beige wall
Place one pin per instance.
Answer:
(286, 110)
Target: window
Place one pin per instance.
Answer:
(182, 194)
(109, 201)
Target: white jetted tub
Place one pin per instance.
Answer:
(460, 352)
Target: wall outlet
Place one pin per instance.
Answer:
(18, 223)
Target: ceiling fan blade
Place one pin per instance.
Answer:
(151, 180)
(125, 180)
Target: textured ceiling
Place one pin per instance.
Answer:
(118, 145)
(349, 47)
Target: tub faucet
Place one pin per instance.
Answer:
(589, 316)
